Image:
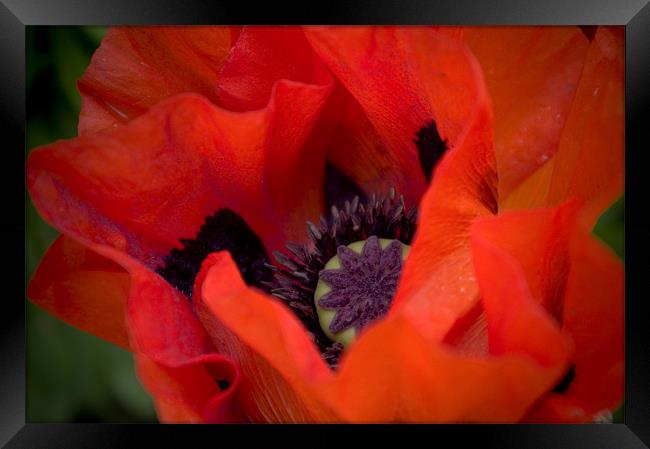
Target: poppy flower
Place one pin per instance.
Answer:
(449, 177)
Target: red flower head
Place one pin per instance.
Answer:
(476, 293)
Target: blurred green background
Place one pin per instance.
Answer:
(72, 375)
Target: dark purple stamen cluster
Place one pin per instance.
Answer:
(297, 272)
(363, 288)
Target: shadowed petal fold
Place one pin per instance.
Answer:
(437, 284)
(84, 289)
(278, 360)
(593, 315)
(260, 57)
(580, 283)
(402, 78)
(176, 361)
(143, 186)
(175, 358)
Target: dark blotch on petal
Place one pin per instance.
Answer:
(224, 230)
(589, 31)
(566, 381)
(339, 188)
(430, 146)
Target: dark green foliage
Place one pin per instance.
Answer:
(71, 375)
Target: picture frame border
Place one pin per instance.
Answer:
(15, 15)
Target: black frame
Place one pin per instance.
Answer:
(16, 14)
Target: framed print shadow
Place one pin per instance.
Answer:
(390, 215)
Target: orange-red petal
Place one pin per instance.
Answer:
(394, 374)
(137, 67)
(594, 316)
(539, 241)
(579, 282)
(84, 289)
(438, 284)
(402, 78)
(190, 393)
(260, 57)
(277, 358)
(516, 318)
(531, 74)
(589, 161)
(176, 360)
(143, 186)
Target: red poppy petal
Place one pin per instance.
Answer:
(438, 284)
(394, 374)
(594, 300)
(260, 57)
(189, 393)
(89, 290)
(593, 315)
(402, 78)
(344, 130)
(516, 321)
(82, 288)
(144, 186)
(137, 67)
(589, 161)
(275, 353)
(176, 359)
(531, 74)
(539, 241)
(581, 283)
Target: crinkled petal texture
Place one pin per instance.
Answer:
(106, 292)
(588, 163)
(143, 186)
(580, 283)
(123, 196)
(402, 78)
(399, 370)
(137, 67)
(82, 288)
(531, 75)
(399, 80)
(127, 194)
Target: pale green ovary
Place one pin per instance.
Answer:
(326, 316)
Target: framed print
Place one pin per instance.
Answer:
(358, 215)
